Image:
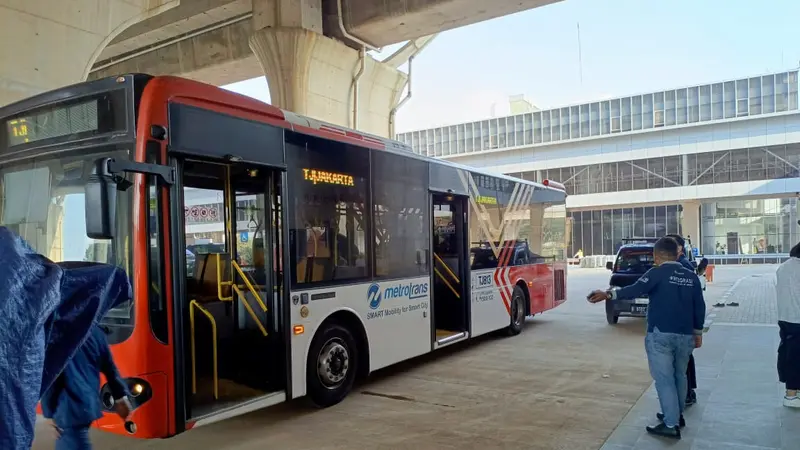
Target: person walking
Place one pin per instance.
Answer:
(691, 374)
(787, 287)
(675, 319)
(72, 402)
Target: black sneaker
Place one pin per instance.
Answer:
(719, 305)
(681, 423)
(691, 398)
(663, 430)
(733, 304)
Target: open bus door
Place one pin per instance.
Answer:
(451, 299)
(234, 349)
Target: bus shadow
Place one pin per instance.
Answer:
(303, 407)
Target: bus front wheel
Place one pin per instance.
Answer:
(332, 365)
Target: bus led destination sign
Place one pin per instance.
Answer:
(321, 176)
(18, 130)
(59, 121)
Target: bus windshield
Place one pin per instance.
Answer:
(42, 200)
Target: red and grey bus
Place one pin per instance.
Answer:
(271, 256)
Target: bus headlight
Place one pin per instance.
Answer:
(137, 389)
(140, 392)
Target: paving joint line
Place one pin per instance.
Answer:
(712, 314)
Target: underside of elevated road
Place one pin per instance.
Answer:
(46, 45)
(313, 52)
(380, 22)
(207, 39)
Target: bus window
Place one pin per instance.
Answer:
(328, 227)
(400, 215)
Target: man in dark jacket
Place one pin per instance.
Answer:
(675, 319)
(691, 373)
(73, 401)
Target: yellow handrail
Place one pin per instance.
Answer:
(221, 283)
(250, 310)
(235, 266)
(447, 283)
(446, 267)
(250, 286)
(192, 305)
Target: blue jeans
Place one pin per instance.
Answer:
(668, 356)
(74, 438)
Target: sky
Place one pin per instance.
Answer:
(626, 47)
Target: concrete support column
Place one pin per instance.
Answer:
(313, 75)
(685, 172)
(47, 44)
(690, 222)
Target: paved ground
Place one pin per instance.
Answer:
(565, 383)
(739, 397)
(755, 294)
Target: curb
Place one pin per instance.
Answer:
(712, 314)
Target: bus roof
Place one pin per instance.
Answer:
(285, 119)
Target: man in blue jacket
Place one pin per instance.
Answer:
(675, 319)
(73, 402)
(691, 373)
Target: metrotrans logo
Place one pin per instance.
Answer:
(409, 290)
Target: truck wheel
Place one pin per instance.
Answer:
(518, 312)
(332, 365)
(612, 317)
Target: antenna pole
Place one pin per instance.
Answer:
(580, 56)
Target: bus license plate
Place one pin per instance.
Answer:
(637, 309)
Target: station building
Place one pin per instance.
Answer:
(717, 162)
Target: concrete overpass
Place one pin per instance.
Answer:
(313, 52)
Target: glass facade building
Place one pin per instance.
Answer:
(757, 151)
(600, 232)
(729, 227)
(747, 227)
(746, 97)
(747, 164)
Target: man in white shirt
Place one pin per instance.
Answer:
(787, 287)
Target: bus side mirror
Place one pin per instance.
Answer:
(609, 265)
(101, 192)
(101, 202)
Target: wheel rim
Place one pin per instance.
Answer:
(517, 312)
(333, 363)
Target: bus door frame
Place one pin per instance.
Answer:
(461, 217)
(180, 300)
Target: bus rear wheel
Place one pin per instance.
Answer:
(332, 365)
(517, 312)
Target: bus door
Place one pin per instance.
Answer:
(233, 355)
(449, 258)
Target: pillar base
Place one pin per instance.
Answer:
(312, 75)
(690, 223)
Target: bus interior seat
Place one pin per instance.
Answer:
(319, 253)
(205, 275)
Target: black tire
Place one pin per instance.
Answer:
(612, 317)
(332, 365)
(518, 312)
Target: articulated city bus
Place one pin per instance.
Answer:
(271, 256)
